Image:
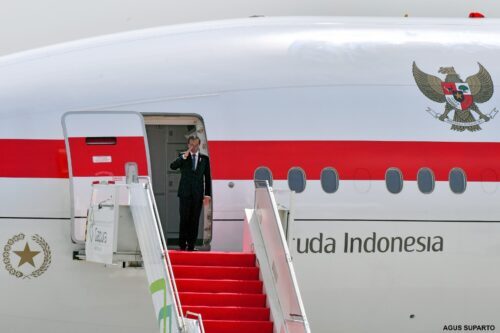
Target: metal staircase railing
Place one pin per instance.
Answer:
(155, 256)
(270, 246)
(171, 278)
(138, 195)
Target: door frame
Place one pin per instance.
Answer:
(112, 133)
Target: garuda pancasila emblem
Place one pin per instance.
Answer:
(460, 96)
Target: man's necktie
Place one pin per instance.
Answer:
(193, 161)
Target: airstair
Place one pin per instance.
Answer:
(197, 292)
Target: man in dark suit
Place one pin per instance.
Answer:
(195, 188)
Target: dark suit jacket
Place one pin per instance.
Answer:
(193, 183)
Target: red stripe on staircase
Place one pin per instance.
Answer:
(223, 299)
(217, 286)
(199, 258)
(227, 326)
(224, 288)
(216, 272)
(229, 313)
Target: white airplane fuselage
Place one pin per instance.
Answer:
(305, 93)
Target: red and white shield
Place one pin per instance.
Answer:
(457, 94)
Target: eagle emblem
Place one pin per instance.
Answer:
(459, 96)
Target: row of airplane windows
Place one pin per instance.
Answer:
(393, 179)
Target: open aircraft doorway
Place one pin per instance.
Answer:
(167, 138)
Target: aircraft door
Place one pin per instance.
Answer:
(98, 145)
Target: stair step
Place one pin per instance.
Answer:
(222, 299)
(200, 258)
(224, 287)
(230, 326)
(216, 272)
(229, 313)
(219, 286)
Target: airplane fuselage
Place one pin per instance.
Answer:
(395, 219)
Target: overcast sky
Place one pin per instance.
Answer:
(26, 24)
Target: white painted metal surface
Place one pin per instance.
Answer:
(392, 290)
(269, 243)
(77, 285)
(154, 253)
(83, 125)
(287, 79)
(102, 224)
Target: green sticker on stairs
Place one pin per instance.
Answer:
(166, 310)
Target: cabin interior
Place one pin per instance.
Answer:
(167, 137)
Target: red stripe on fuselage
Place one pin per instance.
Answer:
(355, 160)
(237, 160)
(33, 158)
(125, 149)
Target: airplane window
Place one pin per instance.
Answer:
(296, 180)
(458, 182)
(394, 180)
(425, 180)
(329, 180)
(263, 173)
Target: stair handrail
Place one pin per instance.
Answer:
(157, 263)
(301, 317)
(172, 284)
(198, 318)
(175, 291)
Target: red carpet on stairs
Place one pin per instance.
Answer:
(224, 288)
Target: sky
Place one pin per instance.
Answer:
(26, 24)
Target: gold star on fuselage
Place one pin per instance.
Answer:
(26, 256)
